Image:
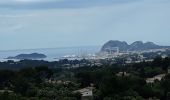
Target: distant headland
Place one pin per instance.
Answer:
(28, 56)
(135, 46)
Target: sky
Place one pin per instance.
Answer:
(30, 24)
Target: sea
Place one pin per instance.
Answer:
(53, 54)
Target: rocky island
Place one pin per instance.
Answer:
(29, 56)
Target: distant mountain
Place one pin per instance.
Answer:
(29, 56)
(135, 46)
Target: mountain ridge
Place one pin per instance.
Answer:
(135, 46)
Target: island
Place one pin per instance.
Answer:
(28, 56)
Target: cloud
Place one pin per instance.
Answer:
(91, 24)
(34, 1)
(51, 4)
(17, 16)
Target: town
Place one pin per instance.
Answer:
(90, 78)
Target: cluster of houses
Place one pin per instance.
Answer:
(91, 63)
(86, 93)
(148, 80)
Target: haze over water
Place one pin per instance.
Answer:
(53, 54)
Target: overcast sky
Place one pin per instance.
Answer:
(27, 24)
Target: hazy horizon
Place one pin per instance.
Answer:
(33, 24)
(65, 47)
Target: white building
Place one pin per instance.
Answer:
(87, 93)
(157, 77)
(122, 74)
(168, 70)
(112, 50)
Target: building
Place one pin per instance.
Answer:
(150, 80)
(87, 93)
(168, 70)
(112, 50)
(157, 77)
(3, 91)
(122, 74)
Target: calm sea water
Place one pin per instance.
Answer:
(53, 54)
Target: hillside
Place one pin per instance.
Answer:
(135, 46)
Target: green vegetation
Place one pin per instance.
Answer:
(58, 83)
